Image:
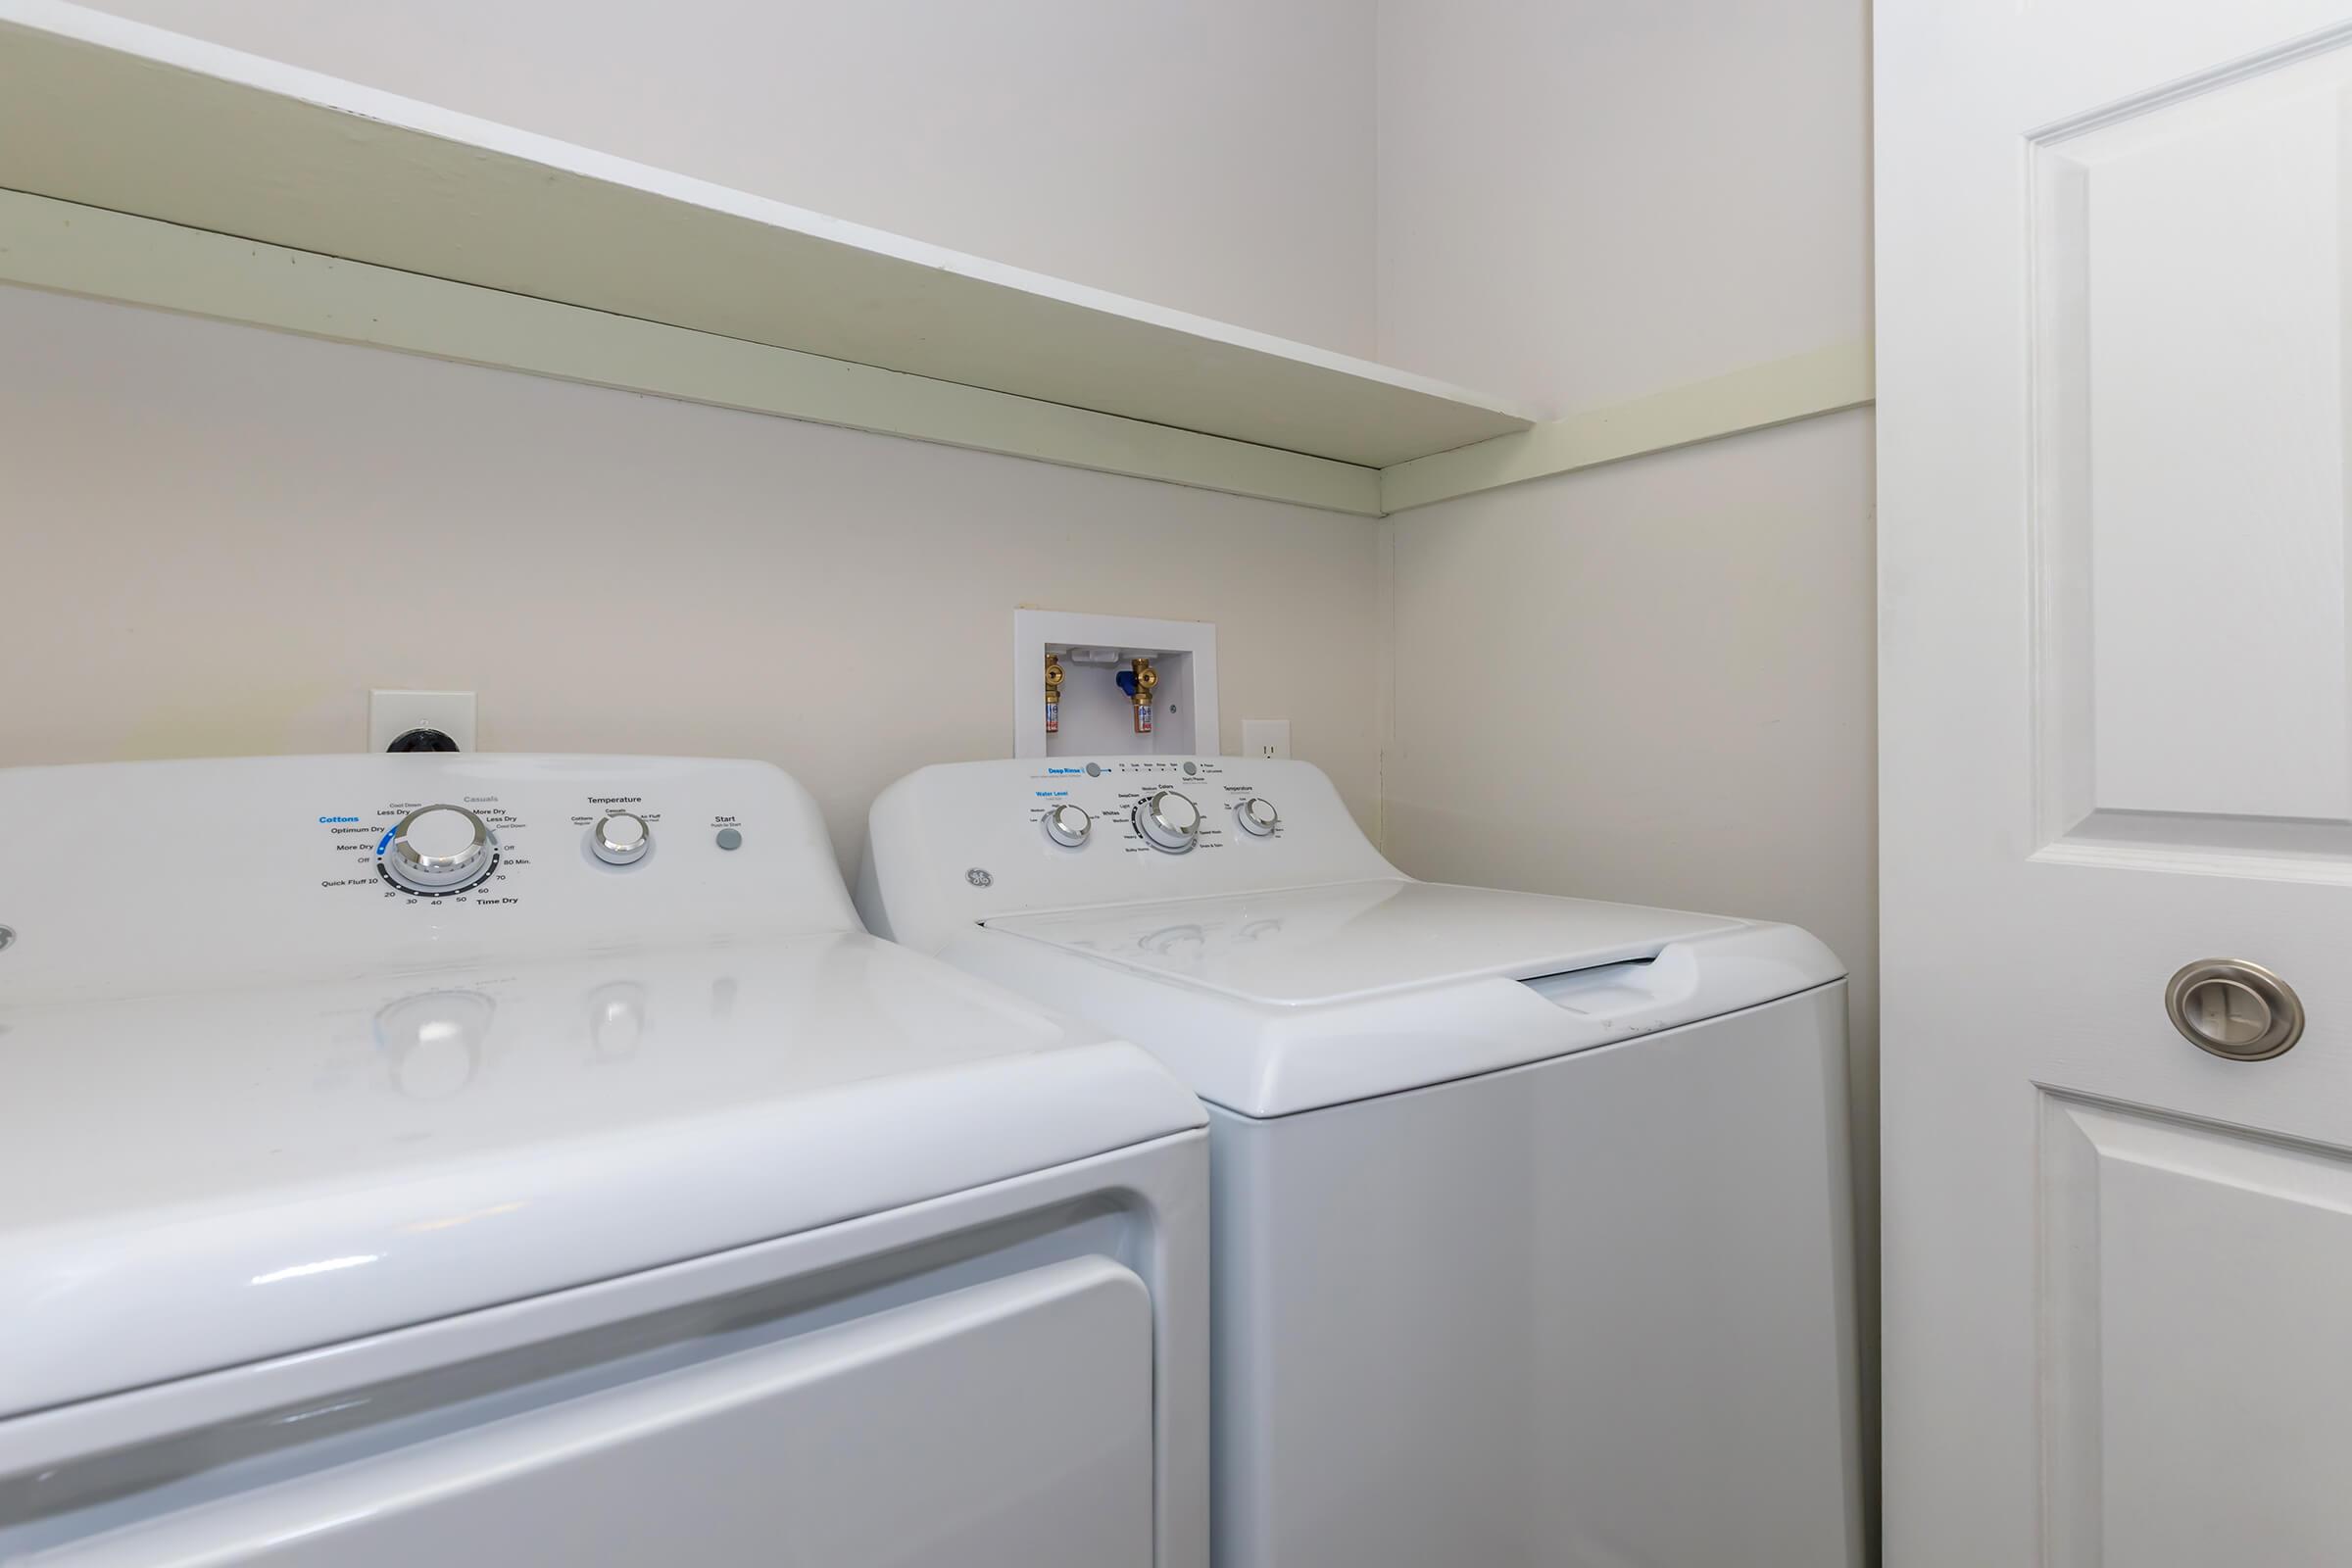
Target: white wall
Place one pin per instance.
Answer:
(1211, 155)
(219, 538)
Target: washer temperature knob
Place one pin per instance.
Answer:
(438, 848)
(620, 838)
(1069, 825)
(1257, 816)
(1168, 821)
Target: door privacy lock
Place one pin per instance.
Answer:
(2237, 1010)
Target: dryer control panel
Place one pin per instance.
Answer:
(971, 841)
(155, 875)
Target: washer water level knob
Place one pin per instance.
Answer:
(1168, 821)
(1069, 825)
(437, 849)
(1257, 816)
(620, 838)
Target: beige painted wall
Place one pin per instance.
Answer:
(1586, 201)
(217, 538)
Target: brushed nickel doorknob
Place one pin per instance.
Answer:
(2237, 1010)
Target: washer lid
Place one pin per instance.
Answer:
(195, 1181)
(1274, 1003)
(1343, 943)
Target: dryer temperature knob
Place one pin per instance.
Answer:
(620, 838)
(1168, 821)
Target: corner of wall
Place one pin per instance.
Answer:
(1384, 677)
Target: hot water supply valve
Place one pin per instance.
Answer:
(1137, 683)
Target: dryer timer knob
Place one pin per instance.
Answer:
(438, 848)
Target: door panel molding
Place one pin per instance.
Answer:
(2191, 1278)
(2179, 721)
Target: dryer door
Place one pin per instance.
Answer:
(1007, 1425)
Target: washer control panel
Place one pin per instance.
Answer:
(1145, 806)
(982, 839)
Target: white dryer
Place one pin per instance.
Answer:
(462, 1161)
(1531, 1224)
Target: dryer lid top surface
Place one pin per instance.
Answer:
(1355, 939)
(201, 1179)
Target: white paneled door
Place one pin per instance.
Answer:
(2115, 247)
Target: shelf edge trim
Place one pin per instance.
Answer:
(1781, 391)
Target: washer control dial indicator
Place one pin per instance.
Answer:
(1168, 821)
(439, 848)
(1069, 825)
(1257, 816)
(620, 838)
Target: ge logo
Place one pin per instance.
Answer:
(978, 878)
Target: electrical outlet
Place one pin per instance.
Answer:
(392, 714)
(1265, 738)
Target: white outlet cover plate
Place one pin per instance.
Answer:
(393, 713)
(1263, 738)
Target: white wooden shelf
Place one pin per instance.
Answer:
(113, 115)
(141, 166)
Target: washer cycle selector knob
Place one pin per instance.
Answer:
(1069, 825)
(620, 838)
(1257, 816)
(438, 848)
(1168, 821)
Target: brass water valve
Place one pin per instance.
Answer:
(1145, 677)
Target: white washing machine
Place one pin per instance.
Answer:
(466, 1160)
(1531, 1224)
